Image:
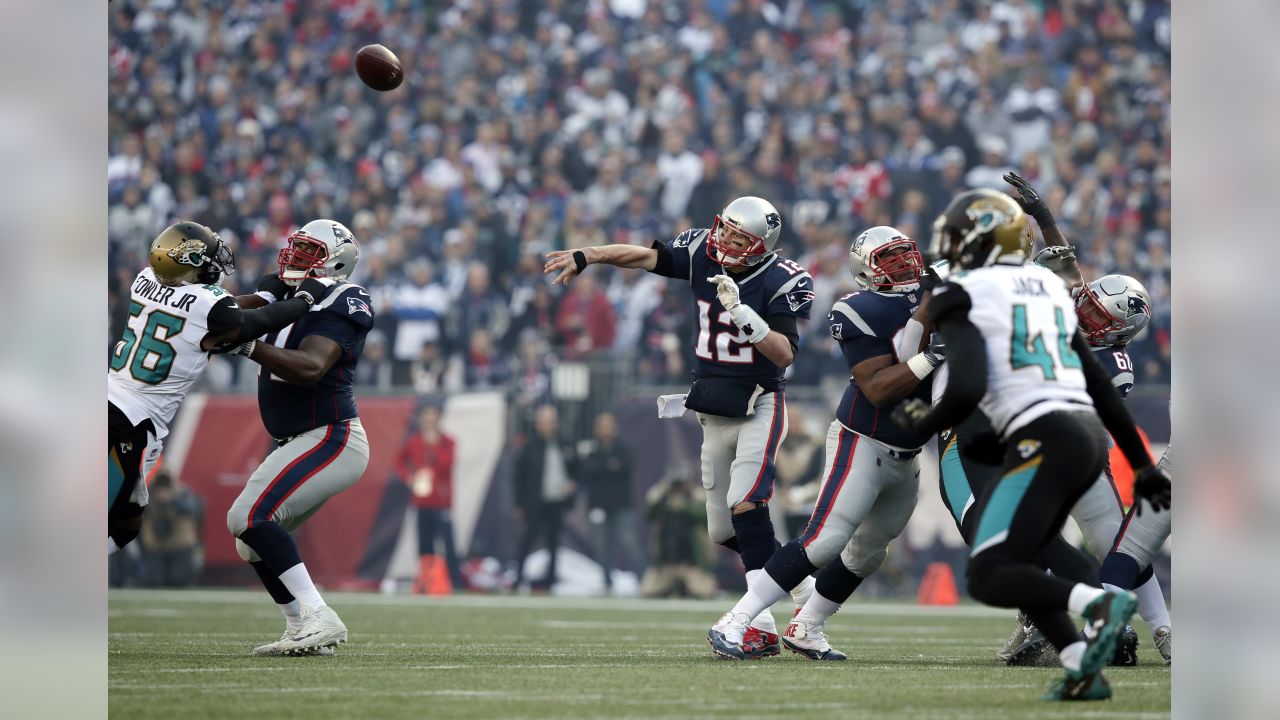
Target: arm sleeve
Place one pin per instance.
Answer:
(794, 297)
(268, 318)
(786, 326)
(674, 260)
(967, 381)
(1110, 406)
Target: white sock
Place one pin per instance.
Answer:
(292, 614)
(1151, 604)
(817, 610)
(801, 593)
(298, 581)
(1081, 596)
(1072, 655)
(762, 593)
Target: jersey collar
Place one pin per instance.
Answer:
(764, 265)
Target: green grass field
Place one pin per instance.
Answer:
(185, 655)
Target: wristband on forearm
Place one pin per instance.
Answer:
(921, 365)
(580, 260)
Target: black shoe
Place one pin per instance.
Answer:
(1126, 648)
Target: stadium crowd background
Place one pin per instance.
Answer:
(529, 126)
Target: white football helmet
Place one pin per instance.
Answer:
(886, 260)
(756, 219)
(321, 249)
(1113, 309)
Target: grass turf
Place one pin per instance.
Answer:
(185, 654)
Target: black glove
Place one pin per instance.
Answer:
(1151, 484)
(930, 279)
(314, 290)
(910, 415)
(984, 448)
(272, 283)
(1030, 200)
(937, 350)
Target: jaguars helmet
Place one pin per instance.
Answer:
(320, 249)
(979, 228)
(752, 217)
(1112, 310)
(187, 253)
(886, 260)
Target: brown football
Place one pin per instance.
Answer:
(379, 68)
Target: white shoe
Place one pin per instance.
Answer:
(1164, 643)
(801, 593)
(276, 648)
(810, 641)
(321, 628)
(725, 636)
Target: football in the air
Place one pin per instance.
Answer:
(379, 68)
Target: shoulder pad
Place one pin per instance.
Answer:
(349, 301)
(857, 314)
(949, 299)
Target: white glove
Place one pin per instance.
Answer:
(747, 320)
(726, 291)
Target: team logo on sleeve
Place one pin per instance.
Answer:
(837, 329)
(683, 239)
(797, 299)
(356, 305)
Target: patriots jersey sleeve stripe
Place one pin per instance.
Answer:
(854, 318)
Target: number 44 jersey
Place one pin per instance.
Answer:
(153, 367)
(1027, 319)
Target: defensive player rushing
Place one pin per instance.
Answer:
(1140, 538)
(1010, 332)
(872, 471)
(308, 405)
(178, 315)
(748, 299)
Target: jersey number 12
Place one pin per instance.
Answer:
(1032, 352)
(731, 345)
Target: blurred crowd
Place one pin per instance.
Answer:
(529, 126)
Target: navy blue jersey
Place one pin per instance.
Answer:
(1115, 359)
(344, 317)
(774, 287)
(864, 323)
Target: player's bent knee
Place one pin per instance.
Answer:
(237, 521)
(719, 529)
(245, 552)
(980, 579)
(863, 562)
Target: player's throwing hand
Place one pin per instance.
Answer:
(726, 291)
(567, 262)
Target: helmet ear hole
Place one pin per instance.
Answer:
(339, 266)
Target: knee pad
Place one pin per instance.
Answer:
(720, 527)
(245, 552)
(124, 524)
(237, 521)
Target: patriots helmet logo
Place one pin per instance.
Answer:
(356, 305)
(1138, 305)
(797, 299)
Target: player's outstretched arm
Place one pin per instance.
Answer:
(1058, 256)
(967, 355)
(270, 289)
(884, 381)
(231, 327)
(304, 366)
(568, 263)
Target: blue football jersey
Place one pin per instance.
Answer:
(775, 286)
(1118, 365)
(345, 317)
(864, 323)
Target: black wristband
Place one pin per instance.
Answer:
(580, 260)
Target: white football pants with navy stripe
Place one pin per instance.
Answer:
(1142, 536)
(867, 497)
(297, 478)
(737, 460)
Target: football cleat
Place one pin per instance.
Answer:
(1126, 648)
(1164, 643)
(1105, 619)
(274, 649)
(810, 641)
(1015, 640)
(727, 635)
(1035, 650)
(321, 628)
(757, 643)
(1088, 687)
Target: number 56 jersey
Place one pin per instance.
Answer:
(1027, 319)
(159, 358)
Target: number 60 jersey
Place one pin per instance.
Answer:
(1027, 319)
(159, 358)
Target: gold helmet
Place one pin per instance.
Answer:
(188, 252)
(981, 227)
